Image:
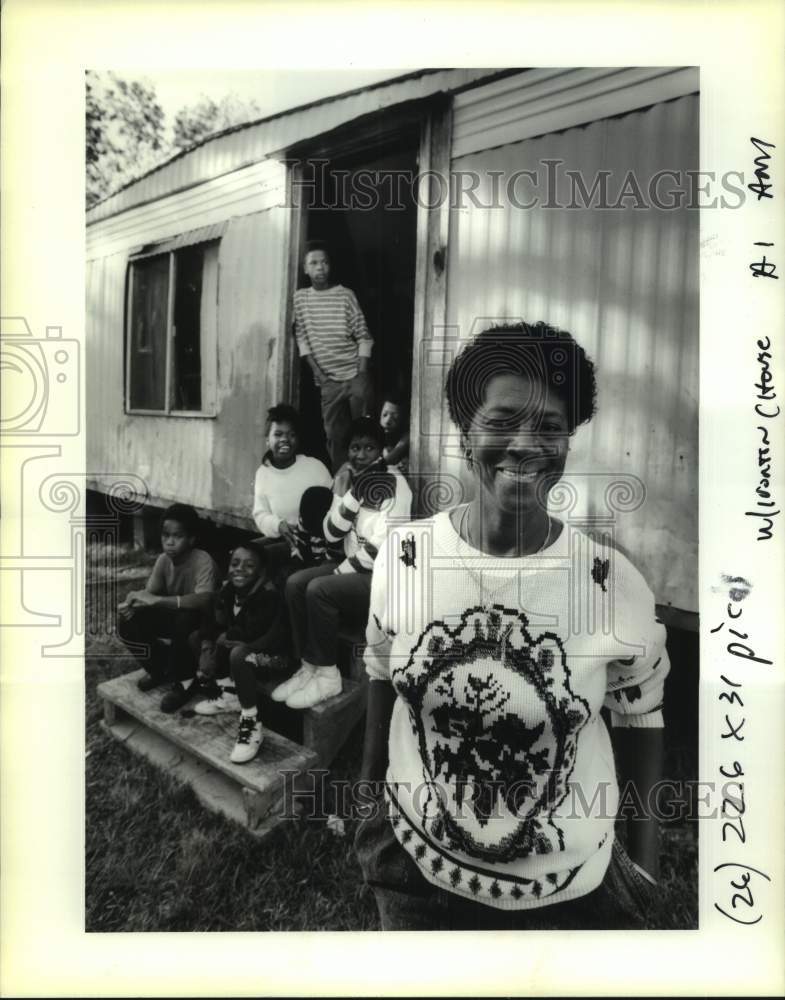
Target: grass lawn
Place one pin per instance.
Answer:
(156, 860)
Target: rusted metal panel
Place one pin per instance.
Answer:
(625, 282)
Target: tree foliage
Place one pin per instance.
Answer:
(124, 132)
(125, 129)
(196, 121)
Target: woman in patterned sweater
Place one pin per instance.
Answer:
(496, 635)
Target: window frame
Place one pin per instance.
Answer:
(209, 407)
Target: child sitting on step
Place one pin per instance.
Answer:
(335, 594)
(178, 593)
(240, 645)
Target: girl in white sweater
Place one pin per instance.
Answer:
(283, 477)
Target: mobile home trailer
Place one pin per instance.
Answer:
(452, 198)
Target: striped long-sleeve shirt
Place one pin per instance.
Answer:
(363, 529)
(330, 326)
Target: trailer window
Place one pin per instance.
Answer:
(171, 331)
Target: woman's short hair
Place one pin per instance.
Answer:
(185, 516)
(536, 350)
(367, 427)
(282, 413)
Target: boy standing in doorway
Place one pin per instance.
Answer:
(333, 336)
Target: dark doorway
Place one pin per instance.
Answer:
(364, 208)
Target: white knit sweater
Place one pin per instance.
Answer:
(277, 492)
(501, 775)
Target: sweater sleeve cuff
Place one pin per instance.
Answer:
(651, 720)
(268, 525)
(375, 672)
(364, 348)
(345, 567)
(350, 501)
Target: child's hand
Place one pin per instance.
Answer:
(225, 643)
(124, 612)
(343, 480)
(142, 599)
(315, 372)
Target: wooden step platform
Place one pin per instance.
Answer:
(325, 727)
(195, 749)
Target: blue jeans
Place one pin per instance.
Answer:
(408, 902)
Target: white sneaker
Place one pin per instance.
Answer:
(296, 681)
(324, 683)
(225, 701)
(249, 738)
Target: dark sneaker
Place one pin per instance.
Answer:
(149, 681)
(177, 696)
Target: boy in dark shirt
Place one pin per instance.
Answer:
(240, 645)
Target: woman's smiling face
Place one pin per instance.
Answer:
(519, 439)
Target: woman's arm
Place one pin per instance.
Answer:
(381, 694)
(187, 602)
(265, 520)
(635, 695)
(381, 698)
(639, 755)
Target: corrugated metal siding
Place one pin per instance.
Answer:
(202, 235)
(250, 323)
(625, 283)
(252, 143)
(540, 101)
(189, 458)
(253, 189)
